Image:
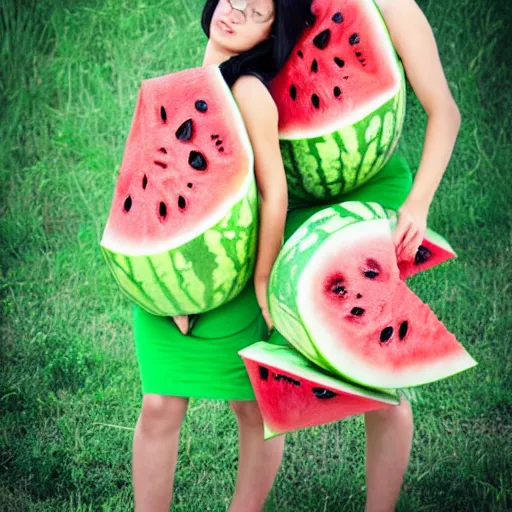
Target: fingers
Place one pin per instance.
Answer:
(410, 246)
(268, 319)
(400, 230)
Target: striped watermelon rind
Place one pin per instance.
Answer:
(178, 281)
(294, 256)
(326, 167)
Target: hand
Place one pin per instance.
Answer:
(410, 230)
(261, 287)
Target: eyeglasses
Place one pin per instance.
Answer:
(258, 14)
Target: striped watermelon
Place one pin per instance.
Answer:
(181, 234)
(341, 102)
(336, 295)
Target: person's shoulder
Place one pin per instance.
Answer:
(253, 97)
(395, 8)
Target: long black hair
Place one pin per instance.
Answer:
(268, 57)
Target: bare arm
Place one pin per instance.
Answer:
(414, 41)
(260, 116)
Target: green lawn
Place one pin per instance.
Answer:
(69, 78)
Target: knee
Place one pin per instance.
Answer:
(247, 413)
(397, 415)
(162, 413)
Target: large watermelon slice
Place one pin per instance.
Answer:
(181, 234)
(341, 101)
(336, 295)
(292, 393)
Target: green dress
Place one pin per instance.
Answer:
(205, 363)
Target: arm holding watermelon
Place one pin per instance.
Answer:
(260, 116)
(414, 41)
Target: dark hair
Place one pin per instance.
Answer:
(267, 58)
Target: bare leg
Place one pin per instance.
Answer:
(258, 460)
(388, 445)
(155, 450)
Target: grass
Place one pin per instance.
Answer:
(69, 76)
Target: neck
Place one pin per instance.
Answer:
(215, 55)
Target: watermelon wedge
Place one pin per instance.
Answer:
(181, 233)
(341, 101)
(336, 295)
(433, 251)
(293, 394)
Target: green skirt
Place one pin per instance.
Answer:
(205, 363)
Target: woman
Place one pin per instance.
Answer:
(251, 39)
(389, 431)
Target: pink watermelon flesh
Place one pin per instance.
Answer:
(184, 164)
(428, 255)
(372, 327)
(292, 397)
(344, 47)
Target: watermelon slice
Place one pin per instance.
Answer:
(293, 394)
(181, 234)
(336, 295)
(341, 101)
(433, 251)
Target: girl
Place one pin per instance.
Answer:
(251, 39)
(389, 431)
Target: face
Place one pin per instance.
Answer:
(239, 25)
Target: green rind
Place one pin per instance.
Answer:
(179, 281)
(325, 168)
(295, 254)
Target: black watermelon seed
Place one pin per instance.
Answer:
(354, 39)
(322, 40)
(162, 210)
(218, 143)
(127, 204)
(324, 393)
(345, 78)
(358, 54)
(221, 150)
(163, 150)
(144, 182)
(215, 137)
(422, 255)
(160, 164)
(315, 100)
(263, 372)
(402, 331)
(163, 114)
(386, 334)
(197, 161)
(189, 185)
(182, 203)
(337, 18)
(278, 376)
(184, 132)
(339, 62)
(300, 54)
(314, 66)
(201, 105)
(370, 274)
(293, 92)
(357, 311)
(358, 295)
(338, 288)
(337, 92)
